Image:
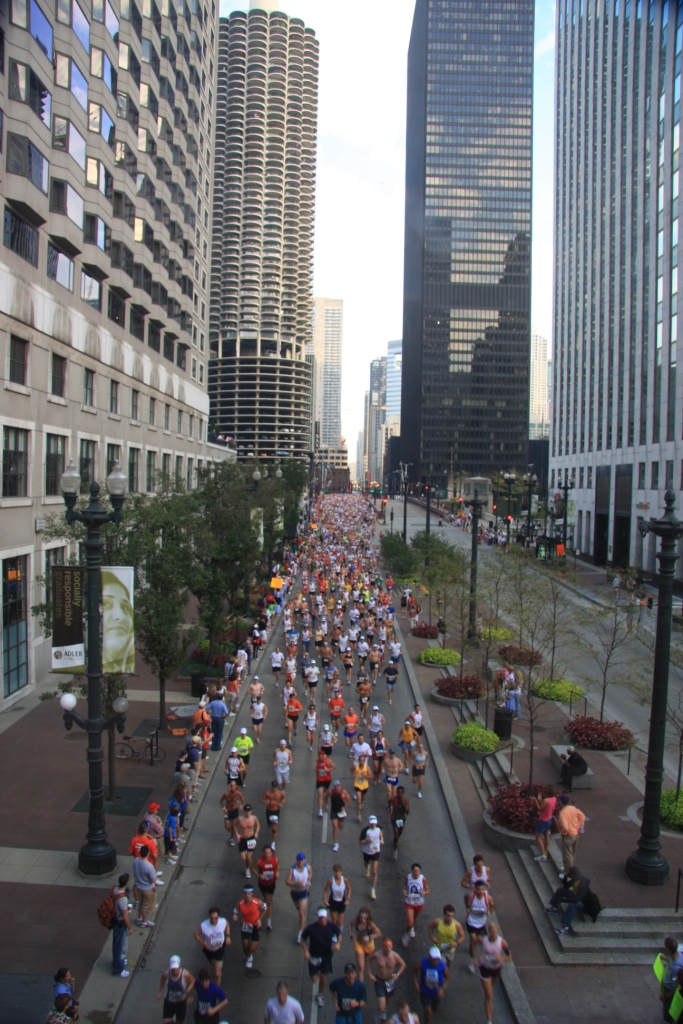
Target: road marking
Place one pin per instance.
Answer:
(314, 1006)
(324, 828)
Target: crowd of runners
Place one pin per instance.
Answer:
(331, 684)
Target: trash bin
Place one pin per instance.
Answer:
(502, 723)
(199, 684)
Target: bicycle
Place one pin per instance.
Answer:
(150, 749)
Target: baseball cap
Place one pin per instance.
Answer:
(254, 679)
(372, 820)
(435, 953)
(174, 962)
(349, 967)
(336, 782)
(301, 856)
(234, 750)
(322, 912)
(564, 798)
(243, 732)
(154, 807)
(247, 807)
(326, 728)
(283, 741)
(392, 750)
(174, 806)
(375, 707)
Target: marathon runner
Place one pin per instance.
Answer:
(231, 801)
(399, 811)
(337, 896)
(247, 826)
(213, 935)
(446, 933)
(371, 840)
(299, 878)
(268, 870)
(274, 799)
(282, 760)
(251, 912)
(323, 778)
(339, 800)
(385, 967)
(393, 766)
(415, 890)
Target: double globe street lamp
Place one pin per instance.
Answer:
(98, 856)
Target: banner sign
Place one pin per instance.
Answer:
(118, 633)
(68, 642)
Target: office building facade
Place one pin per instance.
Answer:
(467, 286)
(539, 425)
(617, 393)
(106, 126)
(394, 364)
(326, 345)
(262, 255)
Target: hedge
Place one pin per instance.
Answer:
(557, 689)
(439, 656)
(474, 736)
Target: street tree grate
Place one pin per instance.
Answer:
(146, 726)
(132, 800)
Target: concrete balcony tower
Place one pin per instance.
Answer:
(262, 247)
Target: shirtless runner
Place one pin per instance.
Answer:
(231, 801)
(247, 830)
(274, 799)
(393, 766)
(385, 967)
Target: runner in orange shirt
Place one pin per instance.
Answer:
(251, 911)
(293, 708)
(350, 726)
(336, 704)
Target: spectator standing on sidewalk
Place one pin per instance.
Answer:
(145, 882)
(121, 928)
(58, 1014)
(219, 712)
(65, 984)
(155, 826)
(570, 822)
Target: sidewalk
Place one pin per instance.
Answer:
(588, 994)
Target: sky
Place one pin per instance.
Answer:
(361, 171)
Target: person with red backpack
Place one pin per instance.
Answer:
(115, 909)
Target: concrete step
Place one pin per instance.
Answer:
(620, 935)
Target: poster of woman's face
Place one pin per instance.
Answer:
(118, 636)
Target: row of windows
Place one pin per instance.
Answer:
(661, 474)
(15, 464)
(18, 373)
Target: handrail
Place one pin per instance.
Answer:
(153, 738)
(628, 765)
(678, 889)
(585, 705)
(510, 746)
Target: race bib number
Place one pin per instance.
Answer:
(398, 823)
(251, 844)
(414, 899)
(341, 814)
(273, 819)
(492, 962)
(247, 929)
(389, 985)
(316, 961)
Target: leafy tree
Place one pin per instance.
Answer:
(401, 560)
(605, 633)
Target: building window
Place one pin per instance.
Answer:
(113, 456)
(91, 291)
(190, 428)
(14, 624)
(26, 87)
(167, 417)
(133, 470)
(169, 347)
(200, 428)
(154, 337)
(136, 324)
(166, 466)
(18, 360)
(89, 387)
(27, 160)
(201, 373)
(65, 200)
(87, 466)
(654, 477)
(54, 556)
(96, 232)
(69, 76)
(65, 136)
(15, 463)
(58, 376)
(590, 477)
(641, 476)
(151, 471)
(114, 396)
(21, 237)
(179, 422)
(669, 472)
(103, 11)
(134, 407)
(54, 462)
(71, 14)
(102, 67)
(190, 474)
(178, 469)
(97, 176)
(193, 371)
(30, 16)
(101, 123)
(60, 268)
(152, 411)
(116, 310)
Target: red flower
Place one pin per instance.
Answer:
(467, 688)
(519, 656)
(513, 807)
(425, 632)
(586, 731)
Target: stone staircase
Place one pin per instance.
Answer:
(620, 936)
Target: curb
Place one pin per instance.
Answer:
(512, 986)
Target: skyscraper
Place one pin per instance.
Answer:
(539, 426)
(326, 345)
(467, 289)
(261, 264)
(394, 362)
(616, 405)
(107, 114)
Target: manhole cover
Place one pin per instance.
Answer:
(252, 973)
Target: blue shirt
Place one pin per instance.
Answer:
(342, 994)
(431, 976)
(217, 709)
(208, 997)
(171, 827)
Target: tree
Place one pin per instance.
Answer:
(605, 633)
(401, 560)
(439, 560)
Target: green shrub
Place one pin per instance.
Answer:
(497, 635)
(439, 656)
(474, 736)
(558, 689)
(671, 810)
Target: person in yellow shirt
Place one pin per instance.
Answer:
(406, 741)
(244, 746)
(446, 933)
(362, 775)
(570, 822)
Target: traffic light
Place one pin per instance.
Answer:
(508, 518)
(495, 508)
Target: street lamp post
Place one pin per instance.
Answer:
(567, 486)
(476, 504)
(391, 517)
(98, 856)
(646, 865)
(509, 478)
(429, 508)
(530, 479)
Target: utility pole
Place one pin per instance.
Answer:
(509, 477)
(476, 505)
(404, 480)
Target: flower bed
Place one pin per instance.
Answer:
(519, 656)
(473, 736)
(557, 689)
(467, 688)
(497, 635)
(586, 731)
(512, 807)
(424, 632)
(671, 810)
(439, 656)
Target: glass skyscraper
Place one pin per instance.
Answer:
(467, 287)
(616, 408)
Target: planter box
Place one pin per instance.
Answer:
(504, 838)
(471, 756)
(448, 702)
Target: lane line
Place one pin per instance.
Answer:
(324, 828)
